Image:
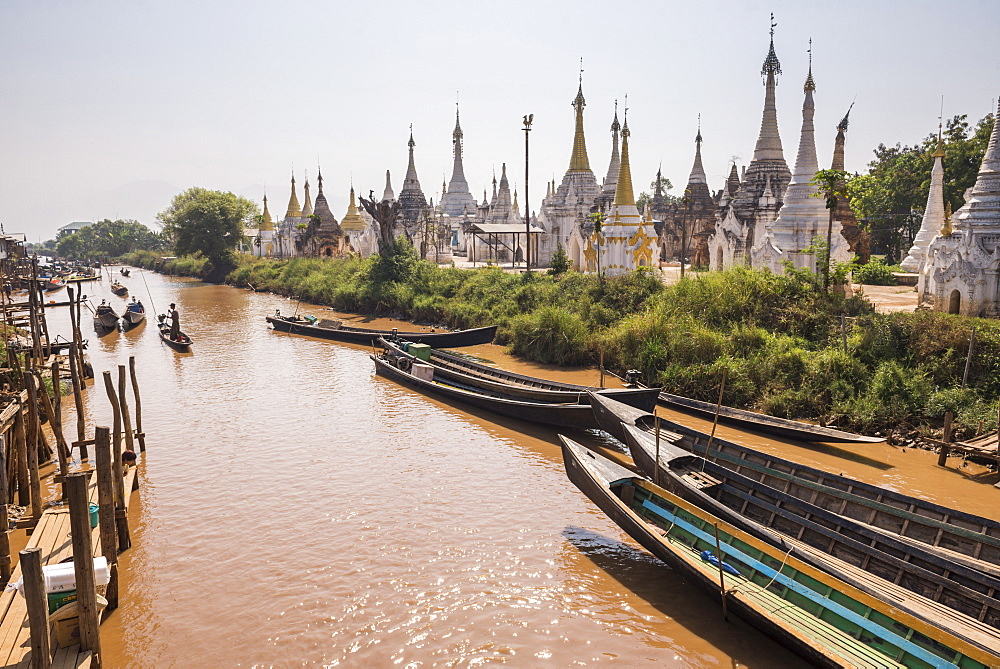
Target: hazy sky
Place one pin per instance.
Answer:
(110, 107)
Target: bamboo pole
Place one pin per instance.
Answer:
(108, 510)
(722, 575)
(83, 563)
(656, 465)
(968, 358)
(718, 409)
(123, 404)
(62, 448)
(20, 436)
(124, 539)
(138, 405)
(76, 378)
(4, 521)
(34, 481)
(38, 608)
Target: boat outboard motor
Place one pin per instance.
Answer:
(632, 377)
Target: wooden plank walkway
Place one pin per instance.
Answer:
(52, 536)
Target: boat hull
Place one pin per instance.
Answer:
(528, 388)
(367, 337)
(780, 427)
(557, 415)
(183, 345)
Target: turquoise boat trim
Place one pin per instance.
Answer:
(839, 609)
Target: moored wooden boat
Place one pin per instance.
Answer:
(954, 534)
(337, 331)
(181, 343)
(453, 369)
(105, 317)
(916, 567)
(827, 621)
(781, 427)
(559, 415)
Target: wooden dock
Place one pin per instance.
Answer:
(52, 537)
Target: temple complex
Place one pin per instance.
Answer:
(689, 220)
(803, 219)
(563, 214)
(456, 200)
(323, 235)
(858, 240)
(626, 241)
(934, 215)
(762, 190)
(414, 204)
(961, 272)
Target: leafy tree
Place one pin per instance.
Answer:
(560, 263)
(207, 222)
(108, 239)
(890, 199)
(831, 184)
(643, 200)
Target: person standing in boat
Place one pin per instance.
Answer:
(175, 322)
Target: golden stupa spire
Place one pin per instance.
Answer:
(624, 195)
(946, 229)
(267, 223)
(294, 209)
(579, 162)
(352, 219)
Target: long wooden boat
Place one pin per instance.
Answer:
(456, 370)
(119, 289)
(556, 414)
(955, 584)
(181, 343)
(105, 317)
(337, 331)
(955, 534)
(781, 427)
(825, 620)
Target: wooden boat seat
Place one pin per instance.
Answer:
(692, 474)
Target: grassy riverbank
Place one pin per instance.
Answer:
(778, 337)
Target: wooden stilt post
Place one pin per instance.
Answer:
(138, 405)
(34, 480)
(108, 509)
(38, 607)
(83, 563)
(4, 521)
(123, 404)
(62, 448)
(76, 377)
(946, 438)
(124, 539)
(602, 369)
(21, 448)
(843, 330)
(968, 357)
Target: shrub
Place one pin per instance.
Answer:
(875, 273)
(550, 335)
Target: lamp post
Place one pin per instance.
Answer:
(686, 201)
(527, 207)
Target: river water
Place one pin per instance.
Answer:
(297, 510)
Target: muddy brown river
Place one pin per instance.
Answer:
(297, 510)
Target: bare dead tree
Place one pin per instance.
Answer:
(385, 214)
